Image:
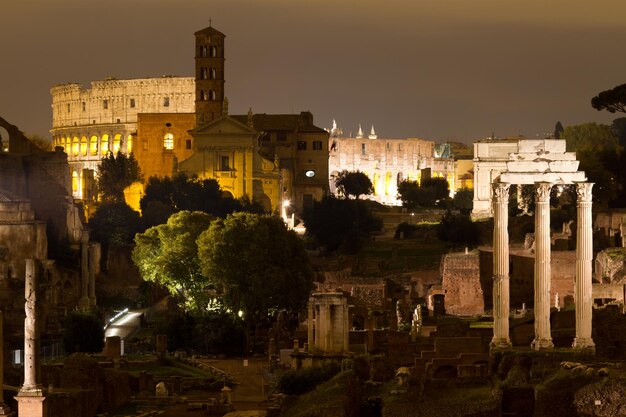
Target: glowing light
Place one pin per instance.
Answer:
(310, 174)
(240, 313)
(286, 203)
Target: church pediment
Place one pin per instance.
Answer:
(224, 125)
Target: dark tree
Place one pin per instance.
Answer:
(464, 200)
(618, 127)
(426, 194)
(354, 184)
(613, 100)
(336, 223)
(83, 333)
(115, 173)
(458, 229)
(165, 196)
(115, 223)
(558, 130)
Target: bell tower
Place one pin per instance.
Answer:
(209, 57)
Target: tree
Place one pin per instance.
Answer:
(353, 184)
(425, 194)
(168, 255)
(458, 229)
(260, 265)
(115, 173)
(336, 223)
(464, 200)
(613, 100)
(115, 223)
(618, 127)
(589, 136)
(165, 196)
(83, 333)
(40, 142)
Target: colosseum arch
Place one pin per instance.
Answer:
(104, 144)
(93, 145)
(75, 146)
(83, 145)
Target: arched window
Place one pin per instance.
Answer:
(68, 145)
(74, 182)
(212, 73)
(203, 95)
(93, 145)
(203, 51)
(83, 145)
(116, 143)
(129, 144)
(213, 51)
(168, 142)
(212, 95)
(104, 144)
(204, 73)
(75, 146)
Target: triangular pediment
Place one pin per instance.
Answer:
(224, 125)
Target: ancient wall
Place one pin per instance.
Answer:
(387, 162)
(460, 274)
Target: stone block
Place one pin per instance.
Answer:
(113, 347)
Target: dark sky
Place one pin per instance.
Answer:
(436, 69)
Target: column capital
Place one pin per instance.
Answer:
(542, 191)
(501, 191)
(583, 191)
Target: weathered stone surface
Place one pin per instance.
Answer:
(82, 371)
(461, 282)
(602, 398)
(610, 266)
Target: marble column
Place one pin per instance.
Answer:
(84, 271)
(501, 296)
(584, 257)
(543, 276)
(30, 397)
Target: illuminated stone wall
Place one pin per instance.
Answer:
(387, 162)
(89, 122)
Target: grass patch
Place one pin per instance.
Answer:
(172, 368)
(327, 396)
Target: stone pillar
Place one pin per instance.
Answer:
(346, 327)
(311, 323)
(584, 257)
(543, 276)
(501, 296)
(92, 273)
(83, 303)
(318, 327)
(30, 397)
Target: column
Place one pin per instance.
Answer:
(584, 256)
(84, 271)
(543, 276)
(92, 273)
(30, 398)
(346, 326)
(311, 324)
(501, 297)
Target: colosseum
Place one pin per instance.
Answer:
(89, 122)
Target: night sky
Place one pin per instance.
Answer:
(435, 69)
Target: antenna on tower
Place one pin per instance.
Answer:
(209, 22)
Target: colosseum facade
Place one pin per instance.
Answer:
(89, 122)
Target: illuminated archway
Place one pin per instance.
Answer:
(93, 145)
(83, 145)
(75, 146)
(104, 144)
(75, 182)
(129, 144)
(68, 145)
(116, 143)
(376, 183)
(389, 184)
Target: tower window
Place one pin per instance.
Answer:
(168, 142)
(213, 73)
(132, 102)
(212, 95)
(225, 163)
(204, 73)
(362, 149)
(166, 101)
(317, 145)
(203, 51)
(213, 51)
(203, 95)
(302, 145)
(105, 104)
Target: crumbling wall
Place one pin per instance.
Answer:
(460, 274)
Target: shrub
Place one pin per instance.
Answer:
(83, 333)
(299, 381)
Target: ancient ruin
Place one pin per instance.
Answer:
(542, 163)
